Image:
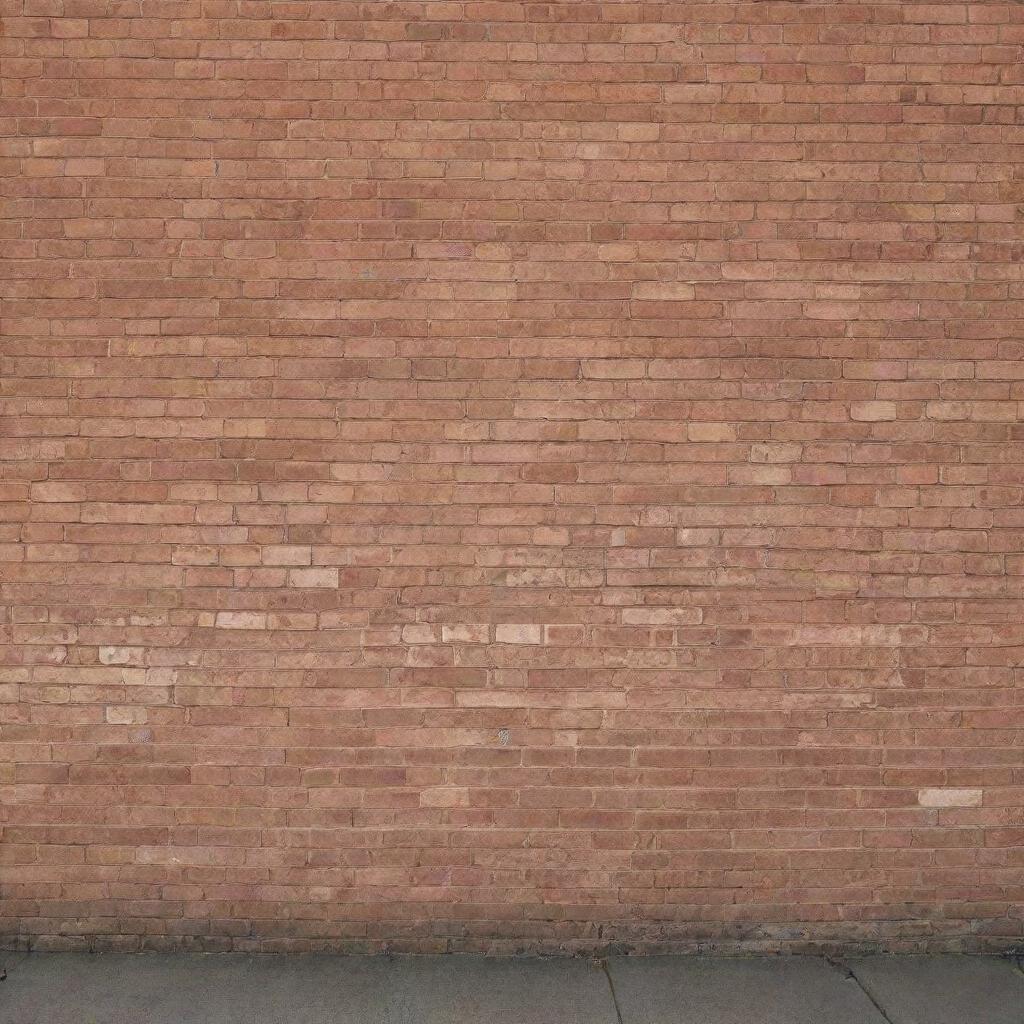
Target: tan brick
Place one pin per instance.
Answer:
(122, 655)
(873, 411)
(241, 620)
(516, 633)
(313, 578)
(949, 797)
(470, 633)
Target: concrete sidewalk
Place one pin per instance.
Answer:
(224, 989)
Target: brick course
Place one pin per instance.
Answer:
(502, 475)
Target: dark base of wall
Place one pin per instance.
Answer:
(970, 937)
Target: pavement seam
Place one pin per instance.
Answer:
(849, 972)
(611, 988)
(1018, 962)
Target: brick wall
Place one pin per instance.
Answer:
(502, 475)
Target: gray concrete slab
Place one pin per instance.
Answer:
(944, 989)
(765, 990)
(224, 989)
(195, 989)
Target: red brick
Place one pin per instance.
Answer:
(500, 476)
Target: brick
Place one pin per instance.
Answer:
(122, 655)
(507, 633)
(950, 797)
(872, 412)
(318, 578)
(466, 634)
(511, 476)
(127, 715)
(241, 620)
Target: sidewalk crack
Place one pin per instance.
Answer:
(611, 988)
(1018, 962)
(848, 972)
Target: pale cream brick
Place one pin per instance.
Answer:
(421, 633)
(469, 633)
(127, 715)
(121, 655)
(241, 620)
(319, 578)
(872, 412)
(286, 554)
(949, 797)
(662, 616)
(518, 633)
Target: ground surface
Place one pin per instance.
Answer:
(182, 989)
